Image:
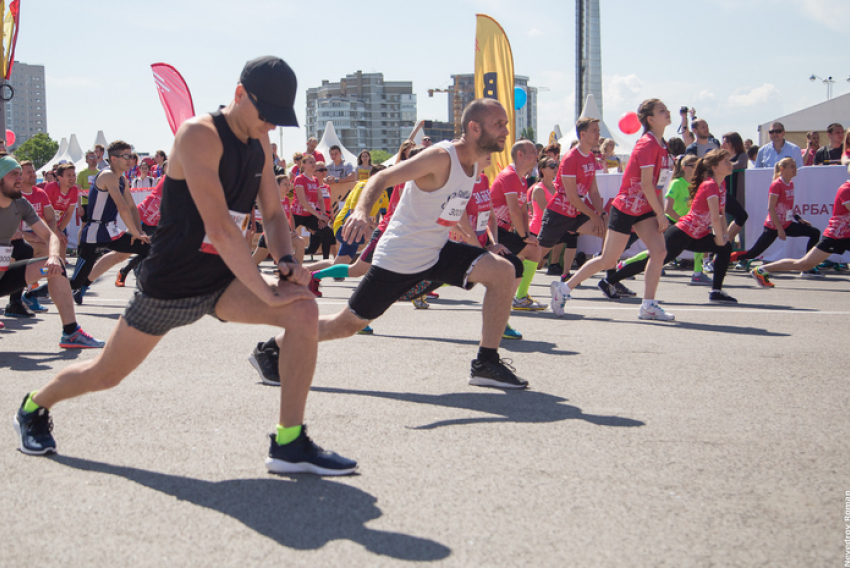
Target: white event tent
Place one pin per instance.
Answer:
(329, 138)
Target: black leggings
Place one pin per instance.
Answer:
(325, 238)
(736, 210)
(766, 239)
(88, 256)
(677, 241)
(633, 238)
(137, 260)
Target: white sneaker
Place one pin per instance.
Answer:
(654, 312)
(558, 298)
(528, 303)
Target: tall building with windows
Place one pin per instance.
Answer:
(26, 113)
(525, 117)
(366, 111)
(588, 54)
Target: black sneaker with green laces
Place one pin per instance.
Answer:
(34, 429)
(499, 374)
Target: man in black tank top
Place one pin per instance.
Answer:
(200, 264)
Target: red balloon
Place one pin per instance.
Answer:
(629, 123)
(10, 138)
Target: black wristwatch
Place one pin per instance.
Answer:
(286, 259)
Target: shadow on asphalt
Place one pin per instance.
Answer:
(304, 512)
(22, 361)
(735, 330)
(524, 346)
(525, 407)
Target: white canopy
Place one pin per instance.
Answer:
(329, 138)
(625, 144)
(815, 117)
(61, 154)
(74, 149)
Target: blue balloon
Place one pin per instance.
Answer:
(520, 98)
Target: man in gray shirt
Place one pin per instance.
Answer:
(704, 143)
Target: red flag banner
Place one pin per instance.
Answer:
(11, 22)
(173, 94)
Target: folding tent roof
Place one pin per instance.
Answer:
(329, 138)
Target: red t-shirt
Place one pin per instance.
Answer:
(479, 207)
(60, 202)
(537, 212)
(507, 181)
(785, 204)
(311, 191)
(317, 155)
(295, 171)
(839, 224)
(149, 208)
(575, 165)
(697, 222)
(39, 200)
(394, 199)
(648, 152)
(326, 196)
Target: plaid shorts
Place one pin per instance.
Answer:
(157, 317)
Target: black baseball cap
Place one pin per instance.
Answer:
(271, 86)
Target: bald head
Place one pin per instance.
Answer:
(477, 111)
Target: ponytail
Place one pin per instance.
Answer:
(705, 169)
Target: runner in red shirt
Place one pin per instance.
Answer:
(311, 150)
(836, 240)
(149, 215)
(637, 205)
(781, 221)
(576, 205)
(63, 198)
(40, 201)
(286, 194)
(509, 195)
(693, 231)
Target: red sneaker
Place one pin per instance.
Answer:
(736, 255)
(119, 279)
(432, 295)
(314, 287)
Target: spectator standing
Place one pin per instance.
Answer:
(831, 155)
(101, 163)
(752, 154)
(339, 171)
(311, 150)
(144, 180)
(364, 165)
(160, 158)
(812, 146)
(704, 142)
(770, 154)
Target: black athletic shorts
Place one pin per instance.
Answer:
(556, 228)
(620, 222)
(380, 288)
(157, 317)
(834, 246)
(262, 242)
(309, 221)
(511, 241)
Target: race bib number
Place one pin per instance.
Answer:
(453, 211)
(483, 219)
(789, 215)
(663, 180)
(5, 257)
(114, 230)
(242, 220)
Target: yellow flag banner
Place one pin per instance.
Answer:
(553, 138)
(494, 79)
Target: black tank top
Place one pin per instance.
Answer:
(176, 267)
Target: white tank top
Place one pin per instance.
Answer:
(420, 225)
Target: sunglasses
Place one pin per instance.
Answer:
(254, 102)
(126, 156)
(551, 166)
(775, 131)
(321, 169)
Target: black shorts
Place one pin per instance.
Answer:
(309, 221)
(15, 278)
(511, 241)
(620, 222)
(366, 253)
(154, 316)
(834, 246)
(380, 288)
(262, 242)
(84, 214)
(557, 228)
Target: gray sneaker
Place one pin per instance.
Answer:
(265, 361)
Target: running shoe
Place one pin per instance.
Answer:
(511, 333)
(2, 325)
(700, 279)
(303, 456)
(743, 265)
(528, 304)
(80, 340)
(34, 429)
(559, 299)
(79, 293)
(433, 295)
(265, 361)
(17, 310)
(120, 278)
(339, 279)
(565, 277)
(721, 297)
(813, 274)
(420, 303)
(708, 265)
(762, 278)
(610, 290)
(366, 331)
(500, 375)
(623, 291)
(314, 286)
(31, 302)
(554, 269)
(735, 256)
(654, 312)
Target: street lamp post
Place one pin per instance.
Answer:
(829, 82)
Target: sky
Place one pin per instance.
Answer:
(738, 62)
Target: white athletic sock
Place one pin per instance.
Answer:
(565, 289)
(648, 303)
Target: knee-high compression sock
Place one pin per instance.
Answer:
(529, 268)
(698, 256)
(335, 271)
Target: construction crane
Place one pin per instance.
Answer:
(457, 103)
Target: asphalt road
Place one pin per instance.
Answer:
(721, 439)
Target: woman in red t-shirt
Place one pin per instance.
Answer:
(781, 221)
(637, 207)
(703, 228)
(836, 240)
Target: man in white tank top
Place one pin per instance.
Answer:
(415, 246)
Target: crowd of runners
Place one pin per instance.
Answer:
(223, 203)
